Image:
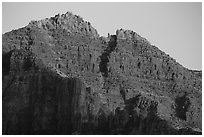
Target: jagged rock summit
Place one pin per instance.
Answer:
(68, 22)
(61, 77)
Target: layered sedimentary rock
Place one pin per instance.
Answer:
(61, 77)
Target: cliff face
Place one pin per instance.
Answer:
(40, 101)
(42, 104)
(60, 77)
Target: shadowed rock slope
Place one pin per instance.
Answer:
(61, 77)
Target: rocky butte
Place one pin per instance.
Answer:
(61, 77)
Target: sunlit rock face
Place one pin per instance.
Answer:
(68, 22)
(59, 77)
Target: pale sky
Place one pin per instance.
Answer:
(175, 28)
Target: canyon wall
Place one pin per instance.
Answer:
(61, 77)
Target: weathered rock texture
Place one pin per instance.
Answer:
(60, 77)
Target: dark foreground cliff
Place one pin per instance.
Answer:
(61, 77)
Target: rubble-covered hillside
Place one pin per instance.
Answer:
(61, 77)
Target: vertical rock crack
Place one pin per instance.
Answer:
(106, 55)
